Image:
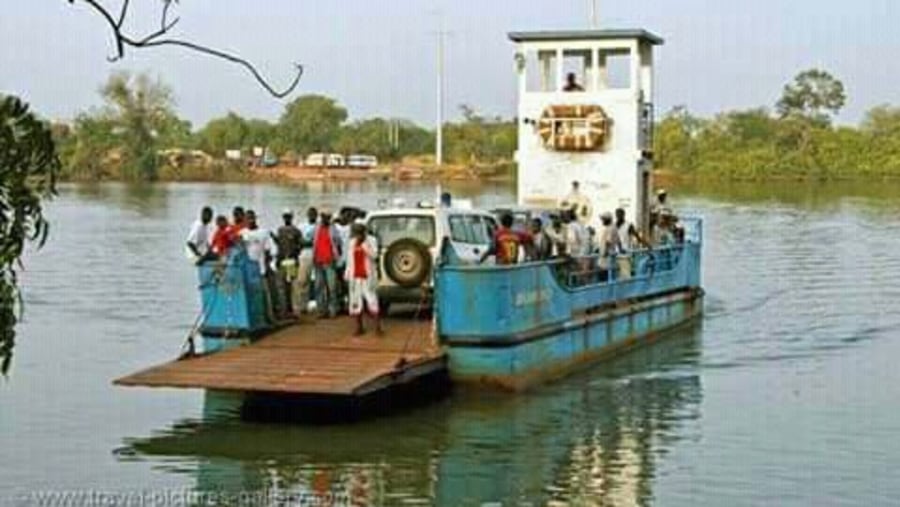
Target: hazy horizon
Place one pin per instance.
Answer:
(377, 57)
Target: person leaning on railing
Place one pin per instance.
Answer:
(199, 240)
(610, 246)
(541, 243)
(629, 240)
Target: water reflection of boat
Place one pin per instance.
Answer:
(589, 437)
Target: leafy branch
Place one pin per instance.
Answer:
(28, 169)
(160, 37)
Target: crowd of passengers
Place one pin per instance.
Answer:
(336, 258)
(332, 257)
(566, 234)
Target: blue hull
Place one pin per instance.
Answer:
(550, 354)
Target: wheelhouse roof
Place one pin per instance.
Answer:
(569, 35)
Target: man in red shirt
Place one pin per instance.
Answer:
(360, 277)
(239, 221)
(326, 252)
(222, 238)
(507, 242)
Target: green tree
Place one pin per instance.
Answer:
(122, 138)
(478, 139)
(883, 120)
(28, 169)
(230, 132)
(260, 133)
(675, 140)
(141, 110)
(310, 123)
(814, 94)
(371, 137)
(85, 152)
(414, 140)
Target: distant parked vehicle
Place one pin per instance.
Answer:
(269, 160)
(362, 161)
(325, 160)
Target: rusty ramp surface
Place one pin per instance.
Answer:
(320, 358)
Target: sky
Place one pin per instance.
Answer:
(378, 57)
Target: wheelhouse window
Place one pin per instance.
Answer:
(616, 69)
(540, 71)
(576, 71)
(388, 229)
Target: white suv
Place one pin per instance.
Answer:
(409, 242)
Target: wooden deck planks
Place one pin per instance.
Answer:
(321, 358)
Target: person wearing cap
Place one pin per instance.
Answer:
(629, 240)
(609, 246)
(664, 232)
(662, 201)
(289, 240)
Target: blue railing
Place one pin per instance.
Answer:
(491, 302)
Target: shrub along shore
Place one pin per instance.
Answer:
(138, 136)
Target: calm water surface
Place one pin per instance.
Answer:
(787, 392)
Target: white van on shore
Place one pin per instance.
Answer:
(357, 161)
(324, 160)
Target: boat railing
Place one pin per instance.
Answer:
(628, 266)
(621, 267)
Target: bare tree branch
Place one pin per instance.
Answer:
(123, 13)
(154, 39)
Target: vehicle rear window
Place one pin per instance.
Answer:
(479, 230)
(459, 232)
(389, 229)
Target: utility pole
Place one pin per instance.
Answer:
(439, 145)
(595, 15)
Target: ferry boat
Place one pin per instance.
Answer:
(585, 114)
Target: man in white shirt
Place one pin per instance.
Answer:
(259, 245)
(629, 240)
(577, 239)
(305, 267)
(579, 203)
(200, 237)
(258, 242)
(610, 246)
(578, 245)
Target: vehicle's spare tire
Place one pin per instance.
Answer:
(407, 262)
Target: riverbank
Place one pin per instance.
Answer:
(222, 172)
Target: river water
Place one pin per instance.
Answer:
(786, 393)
